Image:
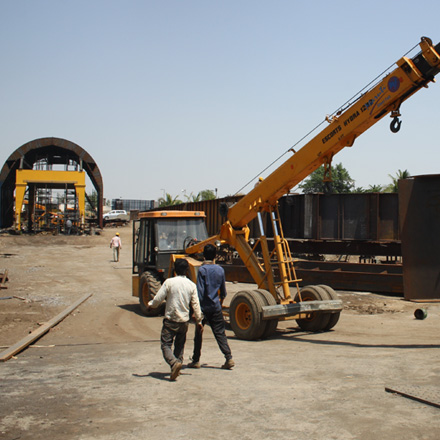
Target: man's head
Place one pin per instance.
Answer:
(181, 266)
(209, 252)
(117, 233)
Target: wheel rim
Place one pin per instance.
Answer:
(311, 315)
(243, 316)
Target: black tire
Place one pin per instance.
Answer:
(245, 315)
(272, 324)
(334, 317)
(314, 322)
(149, 285)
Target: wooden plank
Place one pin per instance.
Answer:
(423, 394)
(36, 334)
(4, 278)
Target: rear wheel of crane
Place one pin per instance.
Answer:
(245, 313)
(149, 285)
(334, 317)
(314, 322)
(272, 324)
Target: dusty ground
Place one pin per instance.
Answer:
(99, 374)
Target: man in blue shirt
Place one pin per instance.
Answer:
(211, 289)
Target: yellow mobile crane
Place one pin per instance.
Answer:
(254, 314)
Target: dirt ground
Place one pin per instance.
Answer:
(99, 374)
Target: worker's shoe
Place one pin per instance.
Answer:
(194, 364)
(175, 370)
(229, 364)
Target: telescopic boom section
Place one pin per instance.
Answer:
(386, 97)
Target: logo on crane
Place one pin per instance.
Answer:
(393, 84)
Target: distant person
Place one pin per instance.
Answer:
(260, 179)
(68, 226)
(180, 294)
(116, 244)
(211, 288)
(163, 241)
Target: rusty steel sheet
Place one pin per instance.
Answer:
(419, 204)
(343, 247)
(363, 216)
(377, 278)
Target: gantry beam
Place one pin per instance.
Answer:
(54, 179)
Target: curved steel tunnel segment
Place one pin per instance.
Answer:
(52, 149)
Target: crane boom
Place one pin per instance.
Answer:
(410, 76)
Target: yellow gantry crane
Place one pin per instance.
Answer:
(61, 179)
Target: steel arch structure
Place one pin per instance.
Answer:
(55, 151)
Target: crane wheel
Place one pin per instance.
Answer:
(245, 313)
(272, 324)
(334, 317)
(149, 285)
(314, 322)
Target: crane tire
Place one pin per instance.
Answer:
(245, 313)
(334, 317)
(314, 322)
(272, 324)
(149, 285)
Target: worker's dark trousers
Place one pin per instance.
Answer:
(217, 324)
(173, 331)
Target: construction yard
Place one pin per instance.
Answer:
(99, 373)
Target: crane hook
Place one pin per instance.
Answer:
(395, 124)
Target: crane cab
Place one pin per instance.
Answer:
(157, 236)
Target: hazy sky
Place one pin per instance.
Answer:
(173, 96)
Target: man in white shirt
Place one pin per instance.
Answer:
(180, 294)
(116, 244)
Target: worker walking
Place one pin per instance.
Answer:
(68, 226)
(211, 288)
(180, 294)
(116, 244)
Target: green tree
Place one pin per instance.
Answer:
(169, 200)
(341, 181)
(400, 175)
(374, 189)
(207, 194)
(193, 198)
